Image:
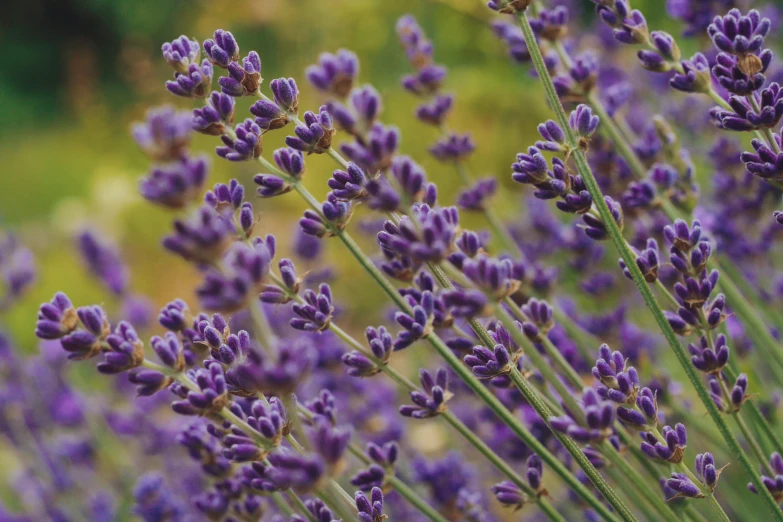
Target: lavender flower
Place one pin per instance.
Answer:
(202, 238)
(374, 151)
(476, 198)
(672, 449)
(432, 400)
(599, 417)
(181, 53)
(315, 136)
(316, 314)
(124, 350)
(165, 134)
(773, 484)
(223, 49)
(708, 358)
(175, 184)
(426, 236)
(381, 345)
(246, 145)
(370, 510)
(56, 318)
(509, 495)
(195, 82)
(212, 394)
(334, 217)
(216, 116)
(244, 79)
(453, 147)
(334, 73)
(488, 364)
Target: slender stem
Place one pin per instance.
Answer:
(595, 477)
(629, 258)
(754, 445)
(757, 416)
(398, 485)
(449, 417)
(503, 413)
(285, 508)
(652, 495)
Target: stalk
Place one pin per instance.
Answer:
(727, 283)
(463, 372)
(532, 397)
(628, 256)
(542, 409)
(400, 487)
(500, 464)
(228, 415)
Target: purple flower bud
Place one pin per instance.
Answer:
(204, 237)
(710, 360)
(268, 115)
(509, 494)
(373, 152)
(671, 449)
(165, 134)
(740, 35)
(370, 510)
(316, 314)
(425, 81)
(695, 75)
(431, 400)
(175, 316)
(476, 197)
(599, 417)
(216, 116)
(244, 79)
(348, 184)
(683, 485)
(315, 136)
(744, 117)
(596, 229)
(56, 318)
(435, 111)
(244, 269)
(488, 364)
(181, 53)
(286, 94)
(223, 49)
(246, 145)
(765, 163)
(705, 470)
(169, 350)
(148, 382)
(335, 73)
(225, 198)
(176, 184)
(211, 397)
(428, 238)
(454, 147)
(194, 82)
(290, 161)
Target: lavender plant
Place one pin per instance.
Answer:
(284, 414)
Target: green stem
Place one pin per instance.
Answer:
(532, 397)
(450, 418)
(398, 485)
(652, 495)
(754, 445)
(629, 258)
(756, 415)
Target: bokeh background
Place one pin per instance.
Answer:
(75, 74)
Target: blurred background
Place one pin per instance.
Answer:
(75, 74)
